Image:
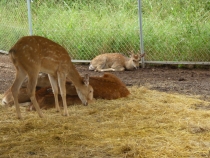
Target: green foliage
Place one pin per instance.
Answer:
(173, 30)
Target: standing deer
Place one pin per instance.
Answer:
(115, 62)
(34, 54)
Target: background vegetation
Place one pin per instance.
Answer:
(173, 30)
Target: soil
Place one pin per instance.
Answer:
(189, 81)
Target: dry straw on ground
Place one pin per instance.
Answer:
(146, 124)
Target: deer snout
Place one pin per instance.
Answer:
(5, 103)
(136, 67)
(85, 104)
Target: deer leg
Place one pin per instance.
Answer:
(119, 69)
(100, 67)
(108, 69)
(62, 85)
(20, 77)
(32, 81)
(112, 69)
(54, 85)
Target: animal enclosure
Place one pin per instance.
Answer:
(153, 121)
(167, 112)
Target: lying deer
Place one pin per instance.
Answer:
(34, 54)
(115, 62)
(106, 87)
(23, 97)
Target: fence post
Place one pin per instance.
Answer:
(29, 17)
(141, 33)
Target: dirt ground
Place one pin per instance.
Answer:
(161, 78)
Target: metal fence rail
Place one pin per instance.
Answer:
(85, 38)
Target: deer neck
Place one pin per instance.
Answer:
(74, 76)
(129, 64)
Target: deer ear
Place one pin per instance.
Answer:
(142, 55)
(131, 53)
(86, 79)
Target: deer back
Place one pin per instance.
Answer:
(109, 59)
(108, 87)
(40, 53)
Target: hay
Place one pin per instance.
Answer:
(148, 123)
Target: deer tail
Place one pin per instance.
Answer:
(11, 53)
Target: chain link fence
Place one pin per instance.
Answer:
(13, 22)
(178, 31)
(174, 32)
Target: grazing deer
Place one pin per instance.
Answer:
(34, 54)
(106, 87)
(115, 62)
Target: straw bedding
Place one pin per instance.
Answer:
(145, 124)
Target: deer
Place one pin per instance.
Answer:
(33, 54)
(115, 62)
(42, 81)
(7, 98)
(107, 87)
(45, 98)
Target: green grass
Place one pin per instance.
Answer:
(173, 30)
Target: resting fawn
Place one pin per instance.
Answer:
(115, 62)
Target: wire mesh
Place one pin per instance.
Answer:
(14, 24)
(175, 31)
(83, 30)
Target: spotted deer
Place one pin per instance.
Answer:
(115, 62)
(34, 54)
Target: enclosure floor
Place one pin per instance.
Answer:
(165, 79)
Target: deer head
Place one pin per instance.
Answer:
(86, 93)
(134, 61)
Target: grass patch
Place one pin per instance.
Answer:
(148, 123)
(175, 32)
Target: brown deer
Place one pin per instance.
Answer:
(42, 81)
(106, 87)
(7, 98)
(115, 62)
(34, 54)
(45, 98)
